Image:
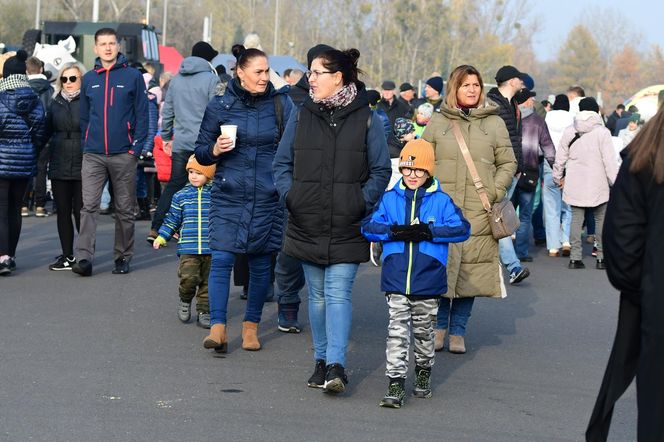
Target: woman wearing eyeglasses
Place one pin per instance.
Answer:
(331, 168)
(63, 128)
(473, 267)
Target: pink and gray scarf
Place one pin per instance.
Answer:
(344, 97)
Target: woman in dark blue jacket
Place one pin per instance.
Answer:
(331, 168)
(246, 215)
(21, 138)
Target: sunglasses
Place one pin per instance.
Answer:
(71, 79)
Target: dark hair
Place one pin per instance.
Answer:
(632, 109)
(345, 62)
(647, 149)
(545, 103)
(620, 106)
(105, 31)
(220, 68)
(287, 72)
(244, 55)
(578, 90)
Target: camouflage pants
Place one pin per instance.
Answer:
(421, 313)
(193, 273)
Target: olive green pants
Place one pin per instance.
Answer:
(193, 273)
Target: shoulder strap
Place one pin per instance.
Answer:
(279, 112)
(576, 137)
(471, 166)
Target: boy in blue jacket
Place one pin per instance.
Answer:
(189, 217)
(415, 220)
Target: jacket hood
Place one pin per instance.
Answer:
(303, 84)
(194, 65)
(585, 121)
(39, 85)
(401, 188)
(238, 92)
(20, 101)
(558, 120)
(120, 62)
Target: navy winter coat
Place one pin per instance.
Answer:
(246, 215)
(114, 109)
(22, 127)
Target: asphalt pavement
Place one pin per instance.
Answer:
(105, 358)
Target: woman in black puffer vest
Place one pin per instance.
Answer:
(63, 126)
(331, 168)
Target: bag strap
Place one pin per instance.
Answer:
(471, 167)
(279, 113)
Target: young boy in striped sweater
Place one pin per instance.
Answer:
(189, 217)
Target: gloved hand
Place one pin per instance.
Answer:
(410, 233)
(159, 241)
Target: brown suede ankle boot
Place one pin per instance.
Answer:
(250, 336)
(457, 344)
(439, 339)
(217, 339)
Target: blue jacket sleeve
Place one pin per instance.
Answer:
(153, 121)
(282, 165)
(142, 115)
(173, 220)
(454, 227)
(380, 168)
(208, 134)
(376, 228)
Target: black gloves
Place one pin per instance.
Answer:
(412, 233)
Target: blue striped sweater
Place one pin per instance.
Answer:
(189, 215)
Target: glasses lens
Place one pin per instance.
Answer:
(419, 173)
(406, 171)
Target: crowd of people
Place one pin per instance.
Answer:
(303, 183)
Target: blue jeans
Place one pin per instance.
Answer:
(506, 246)
(524, 201)
(539, 232)
(289, 276)
(330, 310)
(557, 213)
(454, 314)
(219, 283)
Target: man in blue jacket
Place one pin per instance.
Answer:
(114, 124)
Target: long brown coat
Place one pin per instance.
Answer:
(473, 266)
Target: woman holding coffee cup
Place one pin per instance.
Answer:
(239, 133)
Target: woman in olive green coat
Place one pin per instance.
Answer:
(473, 267)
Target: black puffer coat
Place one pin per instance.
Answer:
(509, 112)
(63, 125)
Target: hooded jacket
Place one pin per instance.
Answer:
(300, 91)
(557, 121)
(43, 89)
(416, 268)
(114, 109)
(189, 216)
(22, 128)
(189, 93)
(473, 268)
(590, 163)
(246, 215)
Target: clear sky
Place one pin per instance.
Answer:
(555, 18)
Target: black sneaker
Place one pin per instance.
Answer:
(396, 392)
(82, 267)
(121, 267)
(63, 262)
(519, 274)
(335, 379)
(12, 263)
(317, 380)
(4, 268)
(245, 292)
(422, 382)
(576, 264)
(600, 265)
(287, 318)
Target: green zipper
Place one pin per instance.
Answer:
(410, 245)
(200, 224)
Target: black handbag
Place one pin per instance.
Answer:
(528, 179)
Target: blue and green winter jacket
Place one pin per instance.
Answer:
(416, 268)
(189, 215)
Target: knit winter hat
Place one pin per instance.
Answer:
(15, 65)
(208, 171)
(426, 109)
(635, 118)
(417, 154)
(588, 104)
(436, 83)
(402, 127)
(203, 50)
(315, 52)
(561, 103)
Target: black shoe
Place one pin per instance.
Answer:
(121, 267)
(540, 242)
(287, 318)
(519, 274)
(317, 380)
(422, 382)
(82, 267)
(526, 258)
(245, 292)
(600, 265)
(396, 392)
(12, 263)
(335, 379)
(4, 268)
(63, 262)
(576, 265)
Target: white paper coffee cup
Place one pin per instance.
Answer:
(229, 130)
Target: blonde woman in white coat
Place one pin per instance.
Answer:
(585, 168)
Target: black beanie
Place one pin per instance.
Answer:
(15, 65)
(373, 97)
(561, 103)
(436, 83)
(203, 50)
(315, 52)
(588, 104)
